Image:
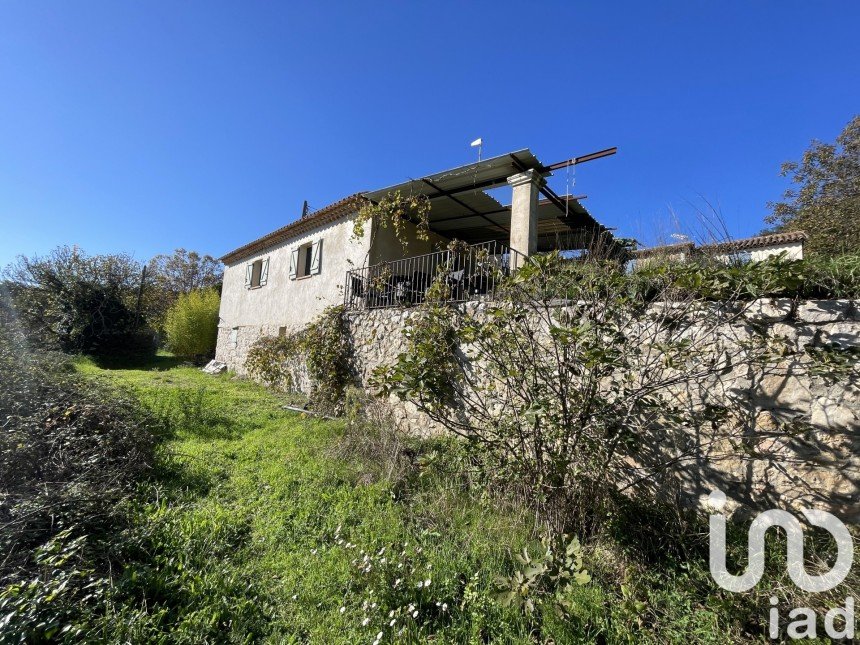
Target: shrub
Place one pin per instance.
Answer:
(322, 349)
(273, 360)
(776, 276)
(568, 402)
(192, 323)
(71, 452)
(77, 302)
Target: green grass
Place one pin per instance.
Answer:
(252, 530)
(246, 504)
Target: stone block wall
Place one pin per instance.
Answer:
(235, 353)
(821, 469)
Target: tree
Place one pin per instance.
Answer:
(579, 380)
(826, 203)
(192, 323)
(83, 303)
(184, 271)
(170, 276)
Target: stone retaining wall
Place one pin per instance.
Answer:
(819, 469)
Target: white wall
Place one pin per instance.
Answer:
(387, 247)
(792, 250)
(294, 304)
(283, 302)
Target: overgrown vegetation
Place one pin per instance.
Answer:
(258, 525)
(398, 211)
(776, 276)
(568, 400)
(71, 453)
(103, 304)
(191, 324)
(170, 276)
(80, 303)
(321, 352)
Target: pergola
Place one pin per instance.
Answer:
(539, 220)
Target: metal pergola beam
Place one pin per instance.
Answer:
(582, 159)
(464, 204)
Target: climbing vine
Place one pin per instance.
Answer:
(322, 348)
(273, 360)
(396, 210)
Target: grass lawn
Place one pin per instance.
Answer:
(252, 529)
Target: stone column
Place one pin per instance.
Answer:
(524, 209)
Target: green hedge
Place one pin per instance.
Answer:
(775, 277)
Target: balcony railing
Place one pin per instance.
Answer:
(471, 273)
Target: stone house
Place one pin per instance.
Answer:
(284, 280)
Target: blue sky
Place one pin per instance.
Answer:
(145, 126)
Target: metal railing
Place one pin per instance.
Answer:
(468, 273)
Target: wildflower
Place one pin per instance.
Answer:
(313, 551)
(427, 582)
(420, 584)
(295, 595)
(342, 609)
(444, 606)
(393, 621)
(365, 622)
(381, 551)
(391, 613)
(415, 614)
(396, 582)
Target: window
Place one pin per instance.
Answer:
(257, 273)
(282, 331)
(306, 260)
(305, 252)
(234, 337)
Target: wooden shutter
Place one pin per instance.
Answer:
(249, 269)
(264, 272)
(294, 263)
(316, 257)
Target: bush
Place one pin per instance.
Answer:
(79, 303)
(274, 360)
(71, 452)
(776, 276)
(192, 323)
(322, 350)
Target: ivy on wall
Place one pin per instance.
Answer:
(396, 210)
(323, 348)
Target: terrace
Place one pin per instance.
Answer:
(484, 240)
